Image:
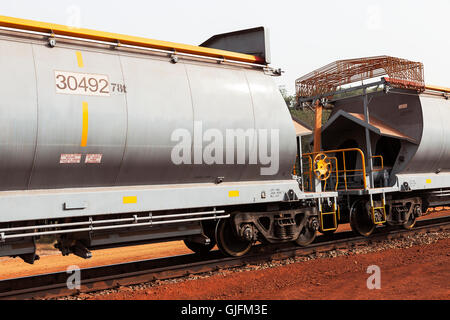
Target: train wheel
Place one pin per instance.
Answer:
(229, 242)
(200, 248)
(360, 219)
(306, 237)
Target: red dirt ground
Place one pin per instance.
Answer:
(418, 272)
(52, 261)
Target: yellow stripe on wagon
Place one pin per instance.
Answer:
(85, 128)
(129, 200)
(80, 59)
(233, 194)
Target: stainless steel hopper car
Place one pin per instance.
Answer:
(110, 140)
(386, 148)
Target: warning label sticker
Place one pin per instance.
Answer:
(94, 158)
(70, 158)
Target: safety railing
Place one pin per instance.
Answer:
(328, 168)
(381, 161)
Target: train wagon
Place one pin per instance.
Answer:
(386, 145)
(112, 140)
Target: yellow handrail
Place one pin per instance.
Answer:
(363, 170)
(337, 174)
(382, 162)
(344, 170)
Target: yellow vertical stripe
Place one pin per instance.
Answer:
(84, 132)
(80, 59)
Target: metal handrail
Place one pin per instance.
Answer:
(382, 162)
(90, 225)
(344, 170)
(337, 175)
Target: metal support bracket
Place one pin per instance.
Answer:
(52, 42)
(81, 251)
(173, 57)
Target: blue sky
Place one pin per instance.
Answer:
(305, 35)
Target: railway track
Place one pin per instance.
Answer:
(53, 285)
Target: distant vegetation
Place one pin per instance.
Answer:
(306, 115)
(357, 92)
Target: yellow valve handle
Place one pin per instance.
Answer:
(322, 167)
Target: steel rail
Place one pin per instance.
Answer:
(53, 285)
